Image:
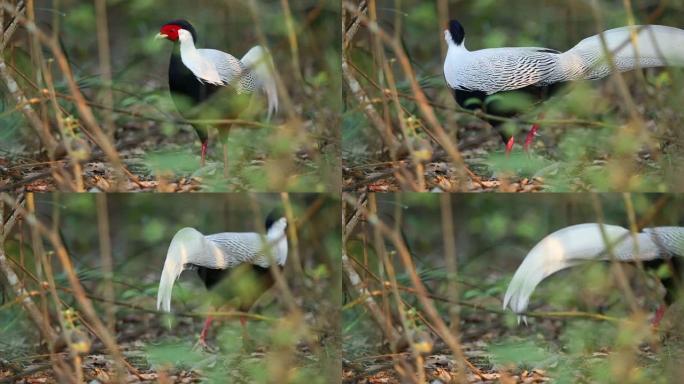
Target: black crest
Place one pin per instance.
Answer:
(185, 25)
(272, 217)
(457, 32)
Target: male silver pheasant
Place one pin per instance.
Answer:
(210, 84)
(227, 263)
(475, 75)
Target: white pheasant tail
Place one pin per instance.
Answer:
(503, 69)
(576, 244)
(259, 61)
(190, 247)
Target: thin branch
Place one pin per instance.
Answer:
(33, 312)
(79, 292)
(376, 313)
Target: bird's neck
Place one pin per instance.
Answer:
(188, 52)
(455, 50)
(277, 240)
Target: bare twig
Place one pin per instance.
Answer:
(21, 100)
(105, 63)
(356, 282)
(79, 292)
(292, 233)
(421, 99)
(106, 256)
(422, 293)
(452, 271)
(81, 105)
(388, 268)
(34, 313)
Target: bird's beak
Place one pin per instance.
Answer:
(160, 36)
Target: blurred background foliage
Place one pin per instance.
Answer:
(615, 156)
(141, 228)
(493, 233)
(300, 152)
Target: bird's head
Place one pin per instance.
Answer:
(177, 30)
(275, 220)
(455, 33)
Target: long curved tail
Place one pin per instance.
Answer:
(260, 62)
(184, 245)
(640, 46)
(574, 245)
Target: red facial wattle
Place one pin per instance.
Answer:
(171, 31)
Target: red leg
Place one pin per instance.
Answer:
(205, 330)
(246, 340)
(530, 137)
(204, 152)
(509, 146)
(660, 312)
(531, 134)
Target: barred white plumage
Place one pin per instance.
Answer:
(214, 85)
(254, 73)
(502, 69)
(189, 249)
(580, 243)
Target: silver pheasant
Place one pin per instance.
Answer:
(581, 243)
(503, 69)
(190, 249)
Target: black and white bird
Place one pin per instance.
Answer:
(234, 266)
(208, 84)
(537, 72)
(582, 243)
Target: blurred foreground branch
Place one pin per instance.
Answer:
(52, 235)
(15, 91)
(422, 102)
(440, 327)
(357, 283)
(20, 292)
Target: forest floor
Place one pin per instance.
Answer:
(440, 175)
(157, 354)
(174, 168)
(481, 342)
(537, 170)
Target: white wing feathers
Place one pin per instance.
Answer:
(255, 72)
(258, 61)
(226, 67)
(500, 69)
(190, 247)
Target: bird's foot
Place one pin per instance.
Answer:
(202, 342)
(202, 345)
(658, 317)
(530, 137)
(203, 159)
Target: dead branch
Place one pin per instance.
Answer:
(421, 99)
(79, 292)
(18, 95)
(391, 334)
(422, 293)
(19, 290)
(81, 105)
